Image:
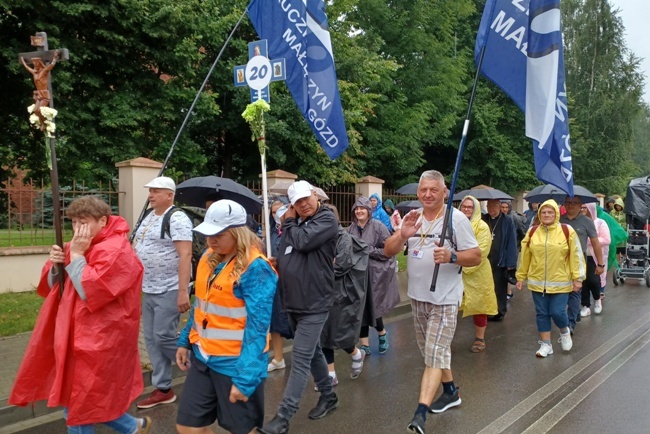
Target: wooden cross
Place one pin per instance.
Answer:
(43, 60)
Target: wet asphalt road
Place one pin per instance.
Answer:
(601, 386)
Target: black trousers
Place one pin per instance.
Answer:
(591, 285)
(501, 287)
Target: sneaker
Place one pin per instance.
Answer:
(445, 402)
(144, 425)
(277, 425)
(566, 341)
(585, 311)
(157, 397)
(417, 424)
(545, 349)
(335, 382)
(274, 365)
(598, 307)
(510, 296)
(356, 371)
(326, 403)
(365, 349)
(383, 343)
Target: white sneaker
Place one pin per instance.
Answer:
(585, 311)
(544, 350)
(276, 365)
(598, 306)
(566, 341)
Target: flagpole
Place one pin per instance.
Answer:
(459, 158)
(187, 117)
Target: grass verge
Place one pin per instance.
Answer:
(18, 312)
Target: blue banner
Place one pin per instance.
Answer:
(524, 56)
(298, 31)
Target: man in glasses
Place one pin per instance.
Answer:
(586, 229)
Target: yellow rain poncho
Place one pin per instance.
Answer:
(549, 262)
(479, 297)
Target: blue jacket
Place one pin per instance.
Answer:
(378, 213)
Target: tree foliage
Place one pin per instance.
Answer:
(405, 71)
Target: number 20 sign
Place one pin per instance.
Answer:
(259, 71)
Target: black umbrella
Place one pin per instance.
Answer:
(408, 205)
(195, 192)
(545, 192)
(483, 194)
(411, 188)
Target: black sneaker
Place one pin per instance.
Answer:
(326, 403)
(417, 424)
(445, 402)
(277, 425)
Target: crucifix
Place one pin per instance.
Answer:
(43, 61)
(257, 74)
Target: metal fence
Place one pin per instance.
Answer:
(26, 210)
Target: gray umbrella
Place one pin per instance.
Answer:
(483, 194)
(195, 192)
(545, 192)
(408, 205)
(411, 188)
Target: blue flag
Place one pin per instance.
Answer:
(524, 56)
(298, 31)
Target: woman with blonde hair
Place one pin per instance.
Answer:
(226, 336)
(479, 298)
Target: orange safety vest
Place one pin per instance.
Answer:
(219, 316)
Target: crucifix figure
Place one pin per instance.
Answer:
(41, 74)
(43, 60)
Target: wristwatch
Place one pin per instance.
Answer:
(453, 258)
(601, 265)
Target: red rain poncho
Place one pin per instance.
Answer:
(84, 354)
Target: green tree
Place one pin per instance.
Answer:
(605, 85)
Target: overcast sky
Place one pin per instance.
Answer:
(635, 15)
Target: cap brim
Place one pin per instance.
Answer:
(299, 196)
(157, 186)
(210, 230)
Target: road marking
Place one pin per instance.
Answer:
(571, 401)
(521, 409)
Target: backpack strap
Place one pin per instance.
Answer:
(165, 227)
(532, 231)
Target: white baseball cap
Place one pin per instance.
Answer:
(162, 182)
(223, 214)
(299, 190)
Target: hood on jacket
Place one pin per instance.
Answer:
(619, 201)
(362, 202)
(476, 214)
(591, 207)
(114, 225)
(509, 203)
(376, 196)
(553, 204)
(389, 204)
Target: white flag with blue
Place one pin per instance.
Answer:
(298, 31)
(524, 56)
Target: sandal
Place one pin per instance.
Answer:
(478, 346)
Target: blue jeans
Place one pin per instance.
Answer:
(550, 306)
(125, 424)
(306, 357)
(575, 299)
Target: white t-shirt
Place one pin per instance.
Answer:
(159, 256)
(449, 286)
